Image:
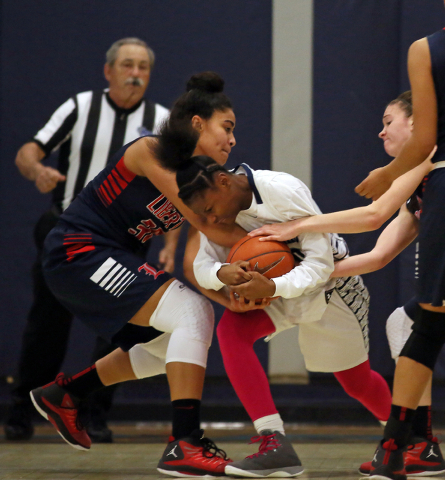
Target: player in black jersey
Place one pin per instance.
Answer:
(426, 68)
(93, 266)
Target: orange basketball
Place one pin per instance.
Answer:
(271, 259)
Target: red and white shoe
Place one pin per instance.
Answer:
(58, 406)
(193, 456)
(424, 458)
(388, 462)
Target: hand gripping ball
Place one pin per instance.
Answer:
(270, 258)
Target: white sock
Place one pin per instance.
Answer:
(269, 422)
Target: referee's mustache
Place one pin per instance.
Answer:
(136, 81)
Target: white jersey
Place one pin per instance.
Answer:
(305, 290)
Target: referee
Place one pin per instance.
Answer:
(86, 130)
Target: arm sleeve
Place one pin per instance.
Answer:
(58, 127)
(292, 199)
(208, 261)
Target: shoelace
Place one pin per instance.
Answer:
(210, 450)
(268, 442)
(390, 445)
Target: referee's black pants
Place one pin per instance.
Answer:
(46, 334)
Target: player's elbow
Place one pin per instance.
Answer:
(380, 260)
(374, 219)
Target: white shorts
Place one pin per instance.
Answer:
(339, 340)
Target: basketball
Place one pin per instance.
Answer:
(271, 259)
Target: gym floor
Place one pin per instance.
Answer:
(327, 452)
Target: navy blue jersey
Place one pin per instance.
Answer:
(436, 43)
(122, 207)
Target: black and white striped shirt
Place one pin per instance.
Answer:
(87, 130)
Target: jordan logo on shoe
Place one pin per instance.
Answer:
(67, 402)
(375, 457)
(172, 452)
(431, 453)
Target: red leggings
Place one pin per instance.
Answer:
(237, 332)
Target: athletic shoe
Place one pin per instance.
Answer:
(58, 406)
(365, 468)
(193, 456)
(387, 463)
(18, 425)
(424, 458)
(97, 428)
(276, 458)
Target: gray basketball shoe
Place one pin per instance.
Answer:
(276, 458)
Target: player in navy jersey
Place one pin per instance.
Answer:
(426, 67)
(93, 265)
(85, 131)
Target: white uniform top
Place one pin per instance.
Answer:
(305, 290)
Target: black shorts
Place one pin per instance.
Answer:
(101, 283)
(431, 284)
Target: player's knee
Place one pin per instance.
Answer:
(398, 330)
(426, 340)
(352, 386)
(130, 335)
(226, 326)
(197, 319)
(232, 328)
(144, 363)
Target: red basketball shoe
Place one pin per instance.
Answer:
(388, 462)
(193, 456)
(424, 458)
(58, 406)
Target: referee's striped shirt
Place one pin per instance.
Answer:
(87, 130)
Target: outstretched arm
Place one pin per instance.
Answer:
(395, 238)
(356, 220)
(423, 138)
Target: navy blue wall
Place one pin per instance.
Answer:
(52, 50)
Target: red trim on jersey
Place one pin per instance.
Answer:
(119, 179)
(123, 170)
(109, 189)
(105, 196)
(78, 243)
(76, 249)
(114, 184)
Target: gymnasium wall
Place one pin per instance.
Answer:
(51, 50)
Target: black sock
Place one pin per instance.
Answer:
(399, 425)
(83, 383)
(422, 422)
(186, 417)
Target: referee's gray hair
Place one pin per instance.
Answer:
(111, 54)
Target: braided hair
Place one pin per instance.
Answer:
(195, 176)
